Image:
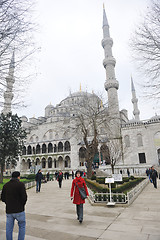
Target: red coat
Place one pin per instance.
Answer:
(75, 191)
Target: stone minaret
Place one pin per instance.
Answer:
(136, 111)
(111, 84)
(8, 94)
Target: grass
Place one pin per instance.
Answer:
(5, 180)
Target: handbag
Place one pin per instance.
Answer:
(82, 192)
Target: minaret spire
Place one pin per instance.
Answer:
(136, 111)
(111, 84)
(8, 94)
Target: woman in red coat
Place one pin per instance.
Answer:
(75, 195)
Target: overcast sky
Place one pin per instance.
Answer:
(71, 53)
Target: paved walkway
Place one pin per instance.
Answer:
(51, 216)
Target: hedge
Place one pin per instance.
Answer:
(127, 185)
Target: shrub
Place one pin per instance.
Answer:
(125, 179)
(31, 176)
(100, 180)
(93, 177)
(96, 187)
(132, 178)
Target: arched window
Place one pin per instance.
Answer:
(50, 148)
(105, 156)
(139, 140)
(44, 149)
(60, 162)
(24, 150)
(55, 163)
(60, 147)
(67, 146)
(49, 162)
(82, 156)
(127, 141)
(29, 150)
(38, 149)
(67, 161)
(29, 163)
(43, 163)
(37, 161)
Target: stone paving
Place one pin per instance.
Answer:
(51, 215)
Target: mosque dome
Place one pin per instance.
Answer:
(78, 97)
(24, 119)
(49, 106)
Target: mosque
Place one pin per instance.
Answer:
(52, 145)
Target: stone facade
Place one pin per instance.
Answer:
(52, 144)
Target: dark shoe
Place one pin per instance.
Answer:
(80, 221)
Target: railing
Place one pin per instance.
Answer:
(118, 198)
(30, 184)
(131, 195)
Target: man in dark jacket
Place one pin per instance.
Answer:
(60, 178)
(14, 195)
(39, 178)
(154, 176)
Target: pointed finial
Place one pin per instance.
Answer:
(80, 89)
(101, 104)
(50, 103)
(132, 84)
(33, 115)
(105, 21)
(12, 63)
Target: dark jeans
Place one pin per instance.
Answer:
(79, 208)
(38, 186)
(154, 182)
(60, 183)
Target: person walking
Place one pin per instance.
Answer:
(15, 197)
(72, 175)
(154, 176)
(47, 176)
(39, 178)
(60, 178)
(128, 172)
(75, 195)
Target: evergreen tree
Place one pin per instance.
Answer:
(11, 140)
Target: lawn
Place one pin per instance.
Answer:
(5, 180)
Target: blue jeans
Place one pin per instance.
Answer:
(20, 217)
(38, 186)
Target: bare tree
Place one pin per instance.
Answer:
(91, 122)
(16, 34)
(145, 44)
(115, 151)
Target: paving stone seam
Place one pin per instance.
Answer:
(110, 224)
